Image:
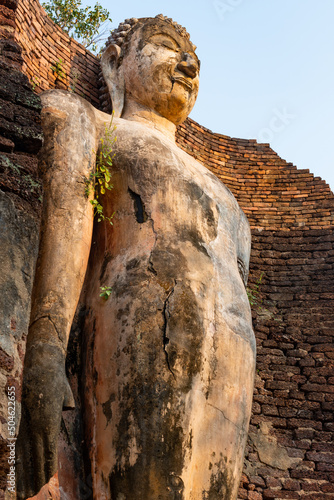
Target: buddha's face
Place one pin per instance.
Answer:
(161, 71)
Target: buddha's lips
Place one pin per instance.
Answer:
(183, 81)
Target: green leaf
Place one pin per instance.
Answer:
(105, 292)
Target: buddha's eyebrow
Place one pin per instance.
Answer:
(165, 35)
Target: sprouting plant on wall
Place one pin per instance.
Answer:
(26, 181)
(100, 180)
(57, 68)
(105, 292)
(34, 186)
(16, 169)
(256, 301)
(88, 25)
(34, 82)
(75, 75)
(253, 293)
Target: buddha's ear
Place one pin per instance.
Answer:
(113, 75)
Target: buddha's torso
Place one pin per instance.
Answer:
(169, 347)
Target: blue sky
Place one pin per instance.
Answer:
(267, 70)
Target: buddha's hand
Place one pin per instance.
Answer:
(46, 392)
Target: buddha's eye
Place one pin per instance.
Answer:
(169, 45)
(165, 41)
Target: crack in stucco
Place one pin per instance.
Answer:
(165, 314)
(47, 316)
(226, 418)
(150, 266)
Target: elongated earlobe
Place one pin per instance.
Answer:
(113, 76)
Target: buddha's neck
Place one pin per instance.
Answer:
(137, 112)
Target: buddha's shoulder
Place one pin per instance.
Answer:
(135, 140)
(61, 102)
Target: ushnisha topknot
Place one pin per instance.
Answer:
(118, 35)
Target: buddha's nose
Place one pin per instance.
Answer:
(188, 65)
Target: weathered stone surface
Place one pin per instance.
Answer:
(270, 452)
(18, 252)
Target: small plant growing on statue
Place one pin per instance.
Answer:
(57, 69)
(105, 292)
(100, 180)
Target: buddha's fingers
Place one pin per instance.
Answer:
(24, 463)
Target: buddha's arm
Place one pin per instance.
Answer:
(66, 161)
(67, 158)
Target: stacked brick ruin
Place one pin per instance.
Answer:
(21, 135)
(52, 58)
(289, 453)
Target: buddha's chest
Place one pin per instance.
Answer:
(153, 176)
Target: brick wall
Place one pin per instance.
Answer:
(289, 452)
(272, 192)
(44, 45)
(20, 129)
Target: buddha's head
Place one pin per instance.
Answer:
(152, 62)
